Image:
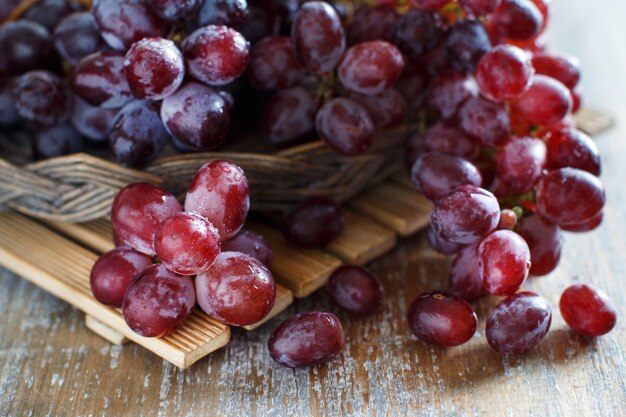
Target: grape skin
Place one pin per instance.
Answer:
(289, 115)
(545, 103)
(99, 79)
(569, 147)
(92, 122)
(56, 141)
(520, 163)
(466, 43)
(355, 290)
(464, 278)
(436, 174)
(231, 13)
(42, 98)
(504, 262)
(173, 10)
(387, 109)
(273, 64)
(544, 240)
(25, 46)
(484, 121)
(252, 244)
(313, 223)
(504, 73)
(76, 36)
(449, 91)
(587, 310)
(346, 126)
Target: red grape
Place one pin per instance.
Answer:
(508, 220)
(479, 8)
(520, 163)
(485, 121)
(518, 19)
(372, 23)
(518, 323)
(313, 223)
(418, 31)
(187, 243)
(237, 289)
(442, 319)
(449, 91)
(563, 68)
(576, 100)
(544, 240)
(173, 10)
(355, 289)
(569, 147)
(219, 192)
(387, 109)
(464, 277)
(466, 43)
(586, 225)
(545, 103)
(216, 55)
(442, 137)
(504, 73)
(289, 115)
(94, 123)
(346, 126)
(76, 36)
(504, 262)
(158, 301)
(252, 244)
(441, 245)
(223, 12)
(306, 339)
(42, 98)
(436, 174)
(587, 310)
(466, 215)
(137, 210)
(99, 80)
(273, 64)
(113, 272)
(56, 141)
(25, 46)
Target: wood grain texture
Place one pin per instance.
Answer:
(51, 365)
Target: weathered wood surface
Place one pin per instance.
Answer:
(51, 365)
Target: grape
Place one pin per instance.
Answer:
(518, 19)
(197, 116)
(99, 80)
(346, 126)
(418, 31)
(545, 103)
(442, 319)
(504, 73)
(466, 215)
(25, 46)
(113, 272)
(484, 121)
(372, 23)
(137, 211)
(289, 115)
(518, 323)
(429, 4)
(8, 112)
(237, 289)
(252, 244)
(464, 277)
(94, 123)
(441, 245)
(569, 195)
(586, 225)
(370, 67)
(173, 10)
(563, 68)
(215, 55)
(42, 98)
(306, 339)
(187, 243)
(442, 137)
(123, 22)
(313, 223)
(544, 240)
(355, 290)
(587, 310)
(412, 86)
(223, 12)
(155, 68)
(508, 220)
(47, 12)
(449, 91)
(466, 43)
(520, 163)
(273, 64)
(576, 100)
(138, 136)
(55, 141)
(387, 109)
(219, 192)
(479, 8)
(76, 36)
(158, 301)
(436, 174)
(318, 36)
(569, 147)
(258, 24)
(504, 262)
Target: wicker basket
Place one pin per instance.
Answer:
(81, 187)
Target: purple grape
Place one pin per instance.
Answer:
(42, 98)
(76, 36)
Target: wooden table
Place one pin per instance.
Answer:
(50, 364)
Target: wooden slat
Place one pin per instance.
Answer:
(43, 257)
(105, 331)
(592, 121)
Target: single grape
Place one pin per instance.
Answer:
(446, 138)
(346, 126)
(418, 31)
(586, 225)
(508, 220)
(387, 109)
(76, 36)
(440, 244)
(94, 123)
(273, 64)
(258, 24)
(504, 262)
(563, 68)
(569, 147)
(219, 192)
(237, 289)
(47, 12)
(252, 244)
(306, 339)
(313, 223)
(187, 243)
(479, 8)
(520, 163)
(545, 103)
(174, 10)
(448, 92)
(484, 121)
(569, 195)
(544, 240)
(518, 19)
(99, 79)
(8, 110)
(42, 98)
(231, 13)
(158, 301)
(56, 141)
(504, 73)
(318, 36)
(197, 116)
(216, 55)
(138, 136)
(123, 22)
(436, 174)
(442, 319)
(154, 68)
(372, 23)
(466, 215)
(587, 310)
(413, 88)
(137, 210)
(289, 115)
(25, 46)
(464, 278)
(355, 290)
(518, 323)
(466, 43)
(113, 272)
